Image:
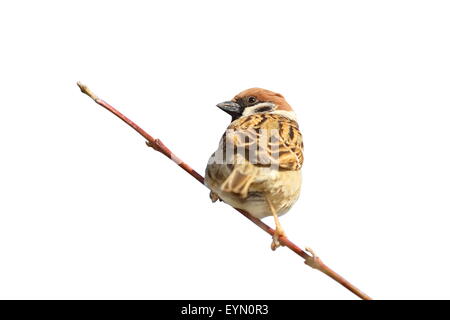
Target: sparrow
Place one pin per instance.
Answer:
(257, 166)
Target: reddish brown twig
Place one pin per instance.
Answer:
(310, 259)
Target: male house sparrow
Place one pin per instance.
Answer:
(257, 165)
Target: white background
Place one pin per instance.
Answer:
(88, 211)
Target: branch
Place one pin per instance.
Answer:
(308, 255)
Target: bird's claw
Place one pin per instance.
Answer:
(275, 244)
(214, 196)
(276, 239)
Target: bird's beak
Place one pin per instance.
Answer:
(230, 107)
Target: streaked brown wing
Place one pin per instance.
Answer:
(266, 140)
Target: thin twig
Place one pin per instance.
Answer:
(310, 259)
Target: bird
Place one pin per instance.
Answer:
(257, 165)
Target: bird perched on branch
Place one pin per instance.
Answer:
(257, 166)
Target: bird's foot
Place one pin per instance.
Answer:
(214, 196)
(313, 260)
(279, 232)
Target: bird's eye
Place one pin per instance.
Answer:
(251, 100)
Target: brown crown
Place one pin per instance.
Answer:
(265, 95)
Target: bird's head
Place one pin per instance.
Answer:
(256, 100)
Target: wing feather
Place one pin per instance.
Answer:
(258, 140)
(267, 139)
